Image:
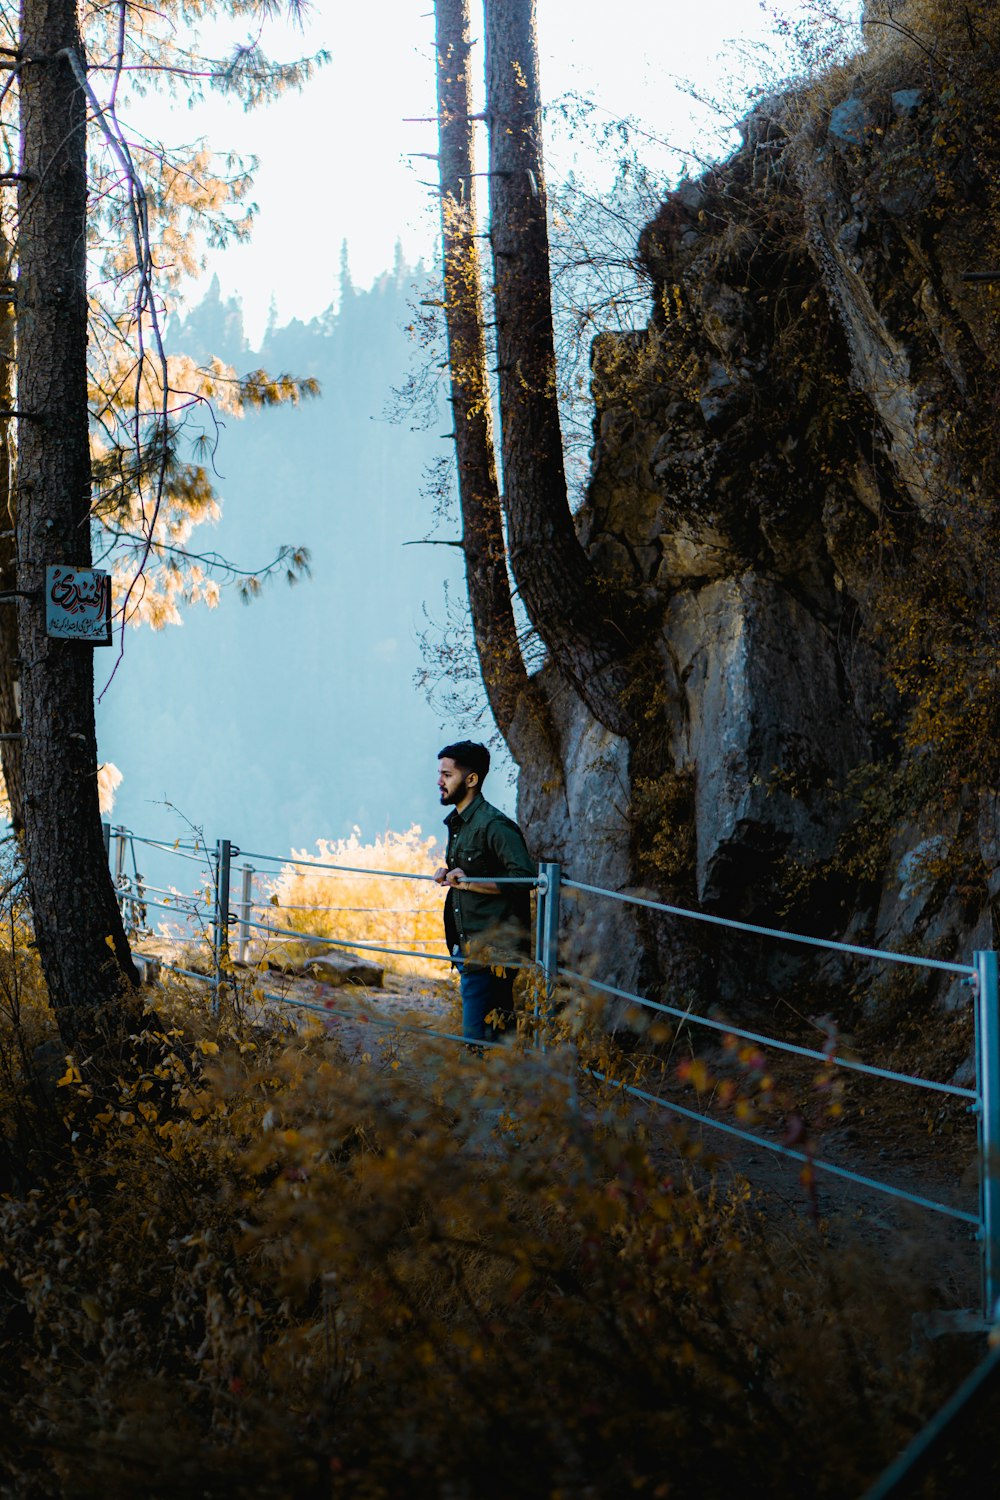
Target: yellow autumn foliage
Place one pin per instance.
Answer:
(366, 901)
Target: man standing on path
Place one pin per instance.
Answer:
(486, 925)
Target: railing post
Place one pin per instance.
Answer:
(137, 906)
(547, 928)
(246, 906)
(988, 1086)
(220, 935)
(118, 834)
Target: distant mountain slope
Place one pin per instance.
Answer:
(296, 717)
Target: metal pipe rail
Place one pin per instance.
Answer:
(767, 1041)
(315, 864)
(396, 911)
(984, 973)
(314, 937)
(696, 1116)
(787, 1151)
(917, 1460)
(182, 908)
(967, 970)
(985, 1098)
(173, 846)
(160, 890)
(303, 937)
(141, 900)
(180, 851)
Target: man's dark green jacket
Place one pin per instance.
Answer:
(486, 844)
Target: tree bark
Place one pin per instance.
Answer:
(11, 759)
(505, 678)
(579, 618)
(81, 941)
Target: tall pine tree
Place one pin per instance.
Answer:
(141, 495)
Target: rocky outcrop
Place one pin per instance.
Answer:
(584, 823)
(763, 686)
(795, 473)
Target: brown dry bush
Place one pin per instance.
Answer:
(414, 1272)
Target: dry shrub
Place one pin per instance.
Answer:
(420, 1272)
(368, 908)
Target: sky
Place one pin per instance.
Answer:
(335, 160)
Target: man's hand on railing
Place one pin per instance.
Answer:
(457, 876)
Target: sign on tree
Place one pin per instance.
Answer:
(78, 605)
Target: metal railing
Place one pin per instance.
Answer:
(930, 1444)
(982, 973)
(211, 907)
(984, 1099)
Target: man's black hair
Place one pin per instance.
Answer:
(468, 756)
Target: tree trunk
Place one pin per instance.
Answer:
(81, 941)
(11, 759)
(505, 678)
(578, 617)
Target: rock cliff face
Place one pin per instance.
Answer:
(794, 471)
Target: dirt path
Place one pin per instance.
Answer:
(909, 1139)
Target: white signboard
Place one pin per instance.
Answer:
(78, 605)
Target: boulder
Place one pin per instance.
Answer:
(333, 966)
(159, 954)
(850, 121)
(906, 102)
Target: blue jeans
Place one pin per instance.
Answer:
(483, 992)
